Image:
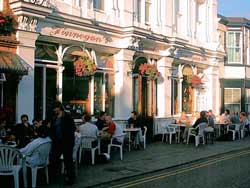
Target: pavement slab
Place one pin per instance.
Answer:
(157, 156)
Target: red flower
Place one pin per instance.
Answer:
(2, 20)
(84, 66)
(149, 71)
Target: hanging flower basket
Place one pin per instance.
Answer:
(149, 71)
(84, 66)
(196, 82)
(8, 23)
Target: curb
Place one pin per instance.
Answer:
(166, 168)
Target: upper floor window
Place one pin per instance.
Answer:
(1, 5)
(176, 13)
(147, 10)
(98, 4)
(234, 47)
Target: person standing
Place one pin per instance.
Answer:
(63, 140)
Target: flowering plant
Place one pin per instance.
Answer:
(8, 23)
(196, 81)
(84, 66)
(149, 71)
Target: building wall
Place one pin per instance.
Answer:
(173, 36)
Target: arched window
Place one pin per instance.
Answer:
(187, 90)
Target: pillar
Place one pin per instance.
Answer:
(25, 93)
(123, 84)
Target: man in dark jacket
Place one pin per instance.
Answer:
(63, 137)
(101, 123)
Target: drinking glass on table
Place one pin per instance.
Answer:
(132, 125)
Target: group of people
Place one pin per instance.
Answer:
(61, 131)
(209, 118)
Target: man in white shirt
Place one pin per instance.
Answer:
(43, 132)
(88, 129)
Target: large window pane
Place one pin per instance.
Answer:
(98, 93)
(234, 47)
(38, 102)
(109, 94)
(75, 91)
(98, 4)
(232, 99)
(50, 90)
(147, 11)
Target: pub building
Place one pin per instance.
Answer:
(138, 65)
(12, 66)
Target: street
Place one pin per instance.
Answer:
(229, 170)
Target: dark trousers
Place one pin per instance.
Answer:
(60, 148)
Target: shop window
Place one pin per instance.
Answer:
(103, 93)
(234, 47)
(76, 91)
(187, 90)
(45, 92)
(247, 108)
(38, 101)
(232, 99)
(174, 97)
(109, 94)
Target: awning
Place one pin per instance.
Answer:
(11, 62)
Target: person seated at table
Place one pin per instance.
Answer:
(211, 114)
(43, 137)
(107, 132)
(201, 119)
(234, 118)
(210, 119)
(36, 123)
(88, 128)
(226, 116)
(194, 117)
(101, 123)
(134, 120)
(244, 120)
(23, 132)
(183, 119)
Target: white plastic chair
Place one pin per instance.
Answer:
(243, 130)
(144, 137)
(192, 132)
(86, 144)
(235, 130)
(42, 151)
(119, 144)
(10, 162)
(167, 130)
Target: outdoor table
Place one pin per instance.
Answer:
(221, 126)
(178, 127)
(129, 130)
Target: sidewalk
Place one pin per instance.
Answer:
(157, 156)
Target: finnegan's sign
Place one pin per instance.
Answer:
(72, 34)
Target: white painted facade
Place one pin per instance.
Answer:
(171, 34)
